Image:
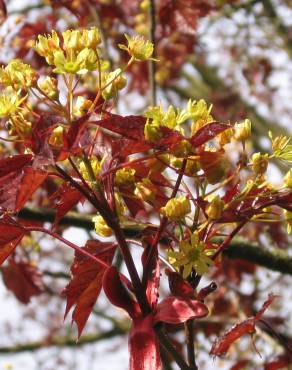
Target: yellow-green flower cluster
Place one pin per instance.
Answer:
(176, 208)
(113, 82)
(18, 75)
(281, 147)
(156, 117)
(192, 255)
(199, 113)
(95, 165)
(138, 48)
(9, 102)
(125, 176)
(101, 227)
(77, 54)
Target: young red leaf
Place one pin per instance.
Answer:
(66, 198)
(86, 282)
(130, 127)
(11, 234)
(178, 286)
(279, 363)
(222, 344)
(30, 182)
(176, 310)
(23, 279)
(208, 132)
(143, 345)
(117, 293)
(14, 164)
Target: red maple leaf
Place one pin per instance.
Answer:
(23, 279)
(86, 282)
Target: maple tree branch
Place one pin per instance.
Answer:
(163, 223)
(189, 332)
(66, 341)
(273, 259)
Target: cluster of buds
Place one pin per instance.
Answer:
(138, 48)
(113, 83)
(125, 176)
(176, 208)
(76, 54)
(18, 75)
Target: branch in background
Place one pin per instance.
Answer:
(64, 341)
(275, 259)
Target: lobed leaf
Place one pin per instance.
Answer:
(176, 310)
(23, 279)
(222, 344)
(11, 234)
(86, 282)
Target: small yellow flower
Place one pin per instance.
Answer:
(56, 138)
(138, 48)
(288, 179)
(281, 147)
(18, 75)
(72, 40)
(50, 87)
(260, 163)
(46, 46)
(114, 82)
(214, 208)
(125, 176)
(9, 102)
(199, 113)
(152, 131)
(242, 131)
(288, 219)
(192, 256)
(225, 137)
(145, 190)
(101, 227)
(176, 208)
(81, 106)
(91, 38)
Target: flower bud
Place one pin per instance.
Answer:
(50, 87)
(91, 38)
(139, 48)
(145, 190)
(114, 82)
(101, 227)
(225, 137)
(125, 176)
(56, 138)
(214, 208)
(81, 106)
(242, 130)
(182, 149)
(176, 208)
(18, 75)
(72, 40)
(260, 163)
(288, 179)
(152, 131)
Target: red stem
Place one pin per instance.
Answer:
(70, 244)
(161, 227)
